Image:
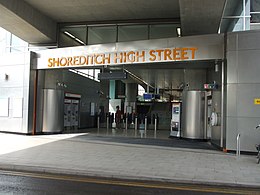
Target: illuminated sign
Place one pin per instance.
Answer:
(126, 57)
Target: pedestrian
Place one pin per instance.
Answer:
(118, 117)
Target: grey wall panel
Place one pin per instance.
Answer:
(248, 66)
(245, 100)
(248, 40)
(14, 59)
(232, 130)
(216, 135)
(11, 124)
(242, 113)
(231, 100)
(15, 76)
(249, 135)
(232, 72)
(195, 78)
(232, 41)
(17, 67)
(216, 106)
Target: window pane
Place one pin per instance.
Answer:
(255, 7)
(158, 31)
(101, 34)
(73, 36)
(17, 44)
(132, 33)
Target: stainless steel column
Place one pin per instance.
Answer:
(53, 111)
(136, 126)
(193, 115)
(155, 127)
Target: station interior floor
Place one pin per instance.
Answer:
(160, 138)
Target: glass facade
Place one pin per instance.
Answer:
(10, 43)
(158, 31)
(255, 14)
(100, 34)
(103, 34)
(132, 32)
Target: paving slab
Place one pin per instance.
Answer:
(71, 154)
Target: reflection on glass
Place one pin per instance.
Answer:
(101, 34)
(73, 36)
(132, 32)
(158, 31)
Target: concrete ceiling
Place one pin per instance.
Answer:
(101, 10)
(36, 20)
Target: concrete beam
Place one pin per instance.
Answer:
(200, 17)
(26, 22)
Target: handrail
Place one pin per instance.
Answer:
(238, 146)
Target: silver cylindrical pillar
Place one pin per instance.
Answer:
(136, 126)
(155, 127)
(193, 114)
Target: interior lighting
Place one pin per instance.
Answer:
(79, 41)
(178, 31)
(69, 34)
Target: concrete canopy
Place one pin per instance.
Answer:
(36, 21)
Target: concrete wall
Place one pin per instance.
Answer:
(243, 86)
(16, 89)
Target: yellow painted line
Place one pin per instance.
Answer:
(169, 186)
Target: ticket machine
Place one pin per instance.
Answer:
(176, 118)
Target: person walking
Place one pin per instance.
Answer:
(118, 117)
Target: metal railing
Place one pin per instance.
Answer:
(238, 146)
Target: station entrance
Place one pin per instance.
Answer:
(173, 92)
(173, 100)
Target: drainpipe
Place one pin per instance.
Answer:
(222, 104)
(35, 102)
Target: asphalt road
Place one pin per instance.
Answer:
(39, 183)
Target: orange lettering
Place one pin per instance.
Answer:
(82, 60)
(106, 58)
(193, 49)
(184, 53)
(167, 54)
(176, 54)
(76, 60)
(63, 61)
(69, 61)
(142, 55)
(50, 64)
(159, 51)
(152, 55)
(97, 57)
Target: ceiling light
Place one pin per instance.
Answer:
(67, 33)
(178, 31)
(80, 41)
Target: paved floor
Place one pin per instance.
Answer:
(78, 154)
